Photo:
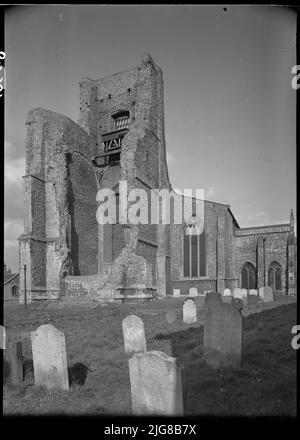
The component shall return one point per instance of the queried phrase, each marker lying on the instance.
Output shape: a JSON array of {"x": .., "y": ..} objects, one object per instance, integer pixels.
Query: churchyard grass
[{"x": 264, "y": 386}]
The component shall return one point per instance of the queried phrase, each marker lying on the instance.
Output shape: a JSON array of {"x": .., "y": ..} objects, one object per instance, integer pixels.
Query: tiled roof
[{"x": 9, "y": 277}]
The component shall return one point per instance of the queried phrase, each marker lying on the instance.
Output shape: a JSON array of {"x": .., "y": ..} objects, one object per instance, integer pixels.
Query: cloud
[
  {"x": 170, "y": 158},
  {"x": 259, "y": 218},
  {"x": 210, "y": 192},
  {"x": 14, "y": 169}
]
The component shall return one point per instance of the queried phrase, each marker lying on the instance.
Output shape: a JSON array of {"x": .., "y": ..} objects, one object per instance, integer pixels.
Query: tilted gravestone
[
  {"x": 227, "y": 292},
  {"x": 189, "y": 311},
  {"x": 193, "y": 292},
  {"x": 171, "y": 316},
  {"x": 266, "y": 294},
  {"x": 134, "y": 334},
  {"x": 156, "y": 384},
  {"x": 49, "y": 357},
  {"x": 222, "y": 344},
  {"x": 14, "y": 358},
  {"x": 176, "y": 293}
]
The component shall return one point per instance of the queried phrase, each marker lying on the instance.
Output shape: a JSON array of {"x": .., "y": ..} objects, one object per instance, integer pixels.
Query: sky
[{"x": 230, "y": 110}]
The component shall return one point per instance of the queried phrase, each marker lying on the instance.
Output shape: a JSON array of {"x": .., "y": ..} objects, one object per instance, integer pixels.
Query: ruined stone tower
[
  {"x": 119, "y": 137},
  {"x": 120, "y": 140}
]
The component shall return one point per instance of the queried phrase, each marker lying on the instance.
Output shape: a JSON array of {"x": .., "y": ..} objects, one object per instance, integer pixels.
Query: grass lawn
[{"x": 264, "y": 386}]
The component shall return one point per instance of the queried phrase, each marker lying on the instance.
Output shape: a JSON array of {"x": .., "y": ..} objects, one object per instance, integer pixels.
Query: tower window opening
[{"x": 122, "y": 120}]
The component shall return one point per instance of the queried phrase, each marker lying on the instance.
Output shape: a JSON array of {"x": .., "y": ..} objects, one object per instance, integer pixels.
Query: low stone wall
[
  {"x": 201, "y": 285},
  {"x": 82, "y": 286}
]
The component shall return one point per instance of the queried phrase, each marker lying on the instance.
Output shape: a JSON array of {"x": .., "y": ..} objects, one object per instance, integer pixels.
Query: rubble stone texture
[
  {"x": 49, "y": 357},
  {"x": 156, "y": 384},
  {"x": 69, "y": 255}
]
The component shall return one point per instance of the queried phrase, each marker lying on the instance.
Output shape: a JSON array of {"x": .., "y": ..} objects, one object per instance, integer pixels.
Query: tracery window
[
  {"x": 248, "y": 276},
  {"x": 274, "y": 276},
  {"x": 194, "y": 249}
]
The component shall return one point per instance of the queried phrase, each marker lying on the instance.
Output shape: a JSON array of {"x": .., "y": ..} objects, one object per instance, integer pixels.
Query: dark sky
[{"x": 229, "y": 105}]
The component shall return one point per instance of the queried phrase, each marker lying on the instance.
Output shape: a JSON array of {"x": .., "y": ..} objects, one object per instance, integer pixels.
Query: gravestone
[
  {"x": 49, "y": 357},
  {"x": 14, "y": 358},
  {"x": 134, "y": 334},
  {"x": 222, "y": 344},
  {"x": 189, "y": 311},
  {"x": 156, "y": 384},
  {"x": 176, "y": 293},
  {"x": 2, "y": 337},
  {"x": 171, "y": 316},
  {"x": 253, "y": 292},
  {"x": 244, "y": 293},
  {"x": 227, "y": 292},
  {"x": 193, "y": 292},
  {"x": 266, "y": 294},
  {"x": 237, "y": 293}
]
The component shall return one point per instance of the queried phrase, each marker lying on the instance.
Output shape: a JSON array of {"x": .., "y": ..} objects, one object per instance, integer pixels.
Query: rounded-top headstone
[
  {"x": 189, "y": 311},
  {"x": 227, "y": 292},
  {"x": 244, "y": 293},
  {"x": 134, "y": 334},
  {"x": 49, "y": 357},
  {"x": 253, "y": 292}
]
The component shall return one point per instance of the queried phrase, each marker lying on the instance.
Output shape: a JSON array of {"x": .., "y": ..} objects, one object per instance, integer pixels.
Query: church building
[{"x": 120, "y": 137}]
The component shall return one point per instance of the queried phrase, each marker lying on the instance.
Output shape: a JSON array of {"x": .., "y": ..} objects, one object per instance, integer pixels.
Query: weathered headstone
[
  {"x": 189, "y": 311},
  {"x": 176, "y": 292},
  {"x": 49, "y": 357},
  {"x": 14, "y": 357},
  {"x": 193, "y": 292},
  {"x": 244, "y": 293},
  {"x": 253, "y": 292},
  {"x": 156, "y": 384},
  {"x": 2, "y": 337},
  {"x": 227, "y": 292},
  {"x": 222, "y": 344},
  {"x": 266, "y": 294},
  {"x": 237, "y": 293},
  {"x": 171, "y": 316},
  {"x": 134, "y": 334}
]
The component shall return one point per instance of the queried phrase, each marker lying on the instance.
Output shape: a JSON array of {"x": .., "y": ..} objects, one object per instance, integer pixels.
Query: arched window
[
  {"x": 248, "y": 276},
  {"x": 194, "y": 254},
  {"x": 14, "y": 291},
  {"x": 274, "y": 276}
]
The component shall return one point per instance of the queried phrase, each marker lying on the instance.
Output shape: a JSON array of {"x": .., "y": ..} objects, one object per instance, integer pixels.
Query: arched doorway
[
  {"x": 275, "y": 276},
  {"x": 248, "y": 276}
]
